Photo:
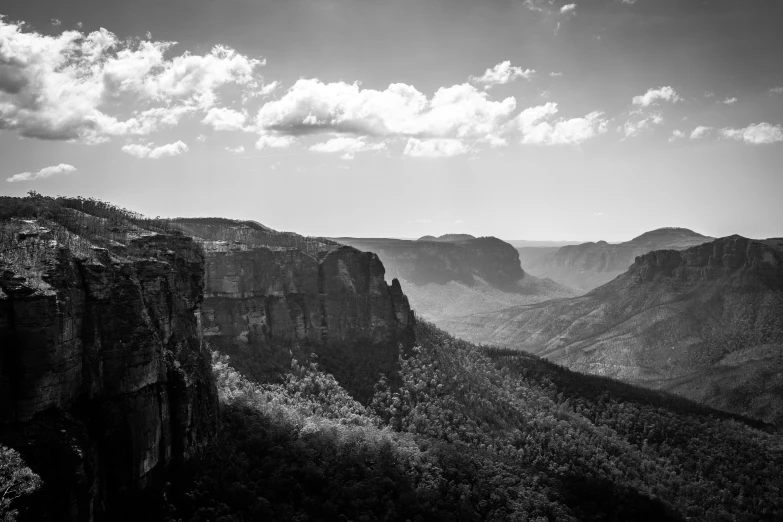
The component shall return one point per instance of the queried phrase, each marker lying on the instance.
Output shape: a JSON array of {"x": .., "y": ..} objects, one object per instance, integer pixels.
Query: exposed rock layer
[
  {"x": 104, "y": 379},
  {"x": 267, "y": 306}
]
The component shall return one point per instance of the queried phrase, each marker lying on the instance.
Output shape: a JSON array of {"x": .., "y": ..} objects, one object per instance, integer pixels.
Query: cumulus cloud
[
  {"x": 755, "y": 134},
  {"x": 236, "y": 150},
  {"x": 225, "y": 119},
  {"x": 62, "y": 168},
  {"x": 151, "y": 152},
  {"x": 434, "y": 148},
  {"x": 347, "y": 146},
  {"x": 274, "y": 141},
  {"x": 555, "y": 74},
  {"x": 539, "y": 128},
  {"x": 73, "y": 86},
  {"x": 635, "y": 127},
  {"x": 700, "y": 132},
  {"x": 568, "y": 8},
  {"x": 676, "y": 135},
  {"x": 502, "y": 74},
  {"x": 458, "y": 112},
  {"x": 729, "y": 101},
  {"x": 656, "y": 94}
]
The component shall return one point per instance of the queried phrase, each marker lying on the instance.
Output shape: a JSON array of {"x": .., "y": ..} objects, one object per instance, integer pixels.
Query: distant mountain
[
  {"x": 589, "y": 265},
  {"x": 521, "y": 243},
  {"x": 448, "y": 238},
  {"x": 453, "y": 278},
  {"x": 705, "y": 322}
]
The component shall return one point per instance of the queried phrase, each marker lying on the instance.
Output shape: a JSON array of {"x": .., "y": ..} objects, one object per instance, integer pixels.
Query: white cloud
[
  {"x": 700, "y": 132},
  {"x": 502, "y": 74},
  {"x": 633, "y": 128},
  {"x": 755, "y": 134},
  {"x": 55, "y": 22},
  {"x": 274, "y": 141},
  {"x": 457, "y": 112},
  {"x": 434, "y": 148},
  {"x": 62, "y": 168},
  {"x": 347, "y": 146},
  {"x": 555, "y": 74},
  {"x": 676, "y": 135},
  {"x": 201, "y": 138},
  {"x": 653, "y": 95},
  {"x": 151, "y": 152},
  {"x": 536, "y": 130},
  {"x": 75, "y": 85},
  {"x": 729, "y": 101},
  {"x": 568, "y": 8},
  {"x": 225, "y": 119},
  {"x": 776, "y": 90},
  {"x": 236, "y": 150},
  {"x": 269, "y": 88}
]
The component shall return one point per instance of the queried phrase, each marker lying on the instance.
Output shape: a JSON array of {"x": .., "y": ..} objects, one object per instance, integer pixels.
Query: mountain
[
  {"x": 465, "y": 275},
  {"x": 105, "y": 382},
  {"x": 589, "y": 265},
  {"x": 522, "y": 243},
  {"x": 448, "y": 238},
  {"x": 705, "y": 322},
  {"x": 271, "y": 296}
]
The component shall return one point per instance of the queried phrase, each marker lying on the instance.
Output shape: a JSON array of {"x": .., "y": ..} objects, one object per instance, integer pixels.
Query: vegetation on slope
[{"x": 475, "y": 434}]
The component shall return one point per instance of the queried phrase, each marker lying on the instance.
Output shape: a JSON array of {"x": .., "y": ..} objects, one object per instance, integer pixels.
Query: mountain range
[
  {"x": 705, "y": 322},
  {"x": 458, "y": 274},
  {"x": 589, "y": 265}
]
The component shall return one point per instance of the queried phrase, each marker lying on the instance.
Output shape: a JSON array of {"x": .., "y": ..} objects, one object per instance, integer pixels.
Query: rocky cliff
[
  {"x": 457, "y": 274},
  {"x": 266, "y": 306},
  {"x": 705, "y": 322},
  {"x": 105, "y": 382}
]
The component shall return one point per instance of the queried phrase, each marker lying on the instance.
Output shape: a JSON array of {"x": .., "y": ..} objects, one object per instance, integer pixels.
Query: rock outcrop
[
  {"x": 105, "y": 382},
  {"x": 266, "y": 306}
]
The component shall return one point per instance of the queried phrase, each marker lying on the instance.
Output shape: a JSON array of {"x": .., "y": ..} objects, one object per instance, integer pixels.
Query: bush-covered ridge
[{"x": 471, "y": 435}]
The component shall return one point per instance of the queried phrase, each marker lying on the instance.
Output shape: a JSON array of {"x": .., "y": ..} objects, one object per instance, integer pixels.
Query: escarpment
[
  {"x": 265, "y": 306},
  {"x": 105, "y": 382}
]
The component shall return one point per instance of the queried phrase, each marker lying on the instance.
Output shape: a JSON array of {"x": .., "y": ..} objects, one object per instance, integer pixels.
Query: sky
[{"x": 521, "y": 119}]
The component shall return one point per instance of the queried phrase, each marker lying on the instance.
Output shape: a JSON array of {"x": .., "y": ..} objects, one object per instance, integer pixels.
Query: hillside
[
  {"x": 462, "y": 275},
  {"x": 705, "y": 322},
  {"x": 476, "y": 435},
  {"x": 589, "y": 265}
]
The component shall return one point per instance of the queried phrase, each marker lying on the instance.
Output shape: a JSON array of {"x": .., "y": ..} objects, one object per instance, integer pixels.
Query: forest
[{"x": 474, "y": 434}]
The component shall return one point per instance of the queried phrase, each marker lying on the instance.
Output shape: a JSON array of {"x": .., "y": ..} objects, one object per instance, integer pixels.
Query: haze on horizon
[{"x": 521, "y": 119}]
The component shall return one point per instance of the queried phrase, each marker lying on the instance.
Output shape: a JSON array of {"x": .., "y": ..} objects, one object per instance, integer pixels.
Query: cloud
[
  {"x": 676, "y": 134},
  {"x": 536, "y": 130},
  {"x": 55, "y": 22},
  {"x": 236, "y": 150},
  {"x": 458, "y": 112},
  {"x": 755, "y": 134},
  {"x": 555, "y": 74},
  {"x": 151, "y": 152},
  {"x": 700, "y": 132},
  {"x": 74, "y": 86},
  {"x": 276, "y": 142},
  {"x": 653, "y": 95},
  {"x": 62, "y": 168},
  {"x": 776, "y": 90},
  {"x": 729, "y": 101},
  {"x": 347, "y": 146},
  {"x": 568, "y": 8},
  {"x": 631, "y": 129},
  {"x": 434, "y": 148},
  {"x": 225, "y": 119},
  {"x": 502, "y": 74}
]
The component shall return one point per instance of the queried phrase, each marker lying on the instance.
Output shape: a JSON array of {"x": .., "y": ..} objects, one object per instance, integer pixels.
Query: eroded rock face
[
  {"x": 269, "y": 306},
  {"x": 104, "y": 378}
]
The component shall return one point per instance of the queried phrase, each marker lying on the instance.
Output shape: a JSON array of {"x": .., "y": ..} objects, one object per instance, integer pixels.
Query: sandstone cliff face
[
  {"x": 104, "y": 379},
  {"x": 266, "y": 306}
]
